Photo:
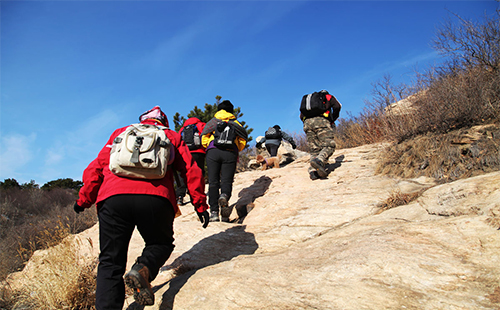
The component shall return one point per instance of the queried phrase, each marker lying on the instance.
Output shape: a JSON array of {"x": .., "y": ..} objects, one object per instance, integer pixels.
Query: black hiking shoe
[
  {"x": 225, "y": 210},
  {"x": 320, "y": 167},
  {"x": 214, "y": 216},
  {"x": 138, "y": 280},
  {"x": 180, "y": 201},
  {"x": 314, "y": 175}
]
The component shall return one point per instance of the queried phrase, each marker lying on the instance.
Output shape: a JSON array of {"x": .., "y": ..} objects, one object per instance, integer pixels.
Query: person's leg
[
  {"x": 180, "y": 191},
  {"x": 155, "y": 219},
  {"x": 326, "y": 138},
  {"x": 200, "y": 161},
  {"x": 314, "y": 144},
  {"x": 213, "y": 172},
  {"x": 272, "y": 149},
  {"x": 312, "y": 139},
  {"x": 228, "y": 169},
  {"x": 115, "y": 231}
]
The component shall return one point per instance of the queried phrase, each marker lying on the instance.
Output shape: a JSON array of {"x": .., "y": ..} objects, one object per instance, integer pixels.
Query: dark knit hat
[
  {"x": 277, "y": 127},
  {"x": 226, "y": 105}
]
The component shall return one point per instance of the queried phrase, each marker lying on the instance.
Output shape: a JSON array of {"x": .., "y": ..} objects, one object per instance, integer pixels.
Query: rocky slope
[{"x": 329, "y": 244}]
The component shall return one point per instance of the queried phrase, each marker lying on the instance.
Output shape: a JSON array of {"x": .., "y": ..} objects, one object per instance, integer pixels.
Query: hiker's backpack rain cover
[{"x": 142, "y": 151}]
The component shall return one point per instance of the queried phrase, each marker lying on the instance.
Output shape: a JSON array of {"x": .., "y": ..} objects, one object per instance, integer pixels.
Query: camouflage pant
[{"x": 320, "y": 138}]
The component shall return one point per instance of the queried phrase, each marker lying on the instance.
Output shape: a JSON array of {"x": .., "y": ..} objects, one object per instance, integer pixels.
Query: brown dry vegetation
[
  {"x": 33, "y": 219},
  {"x": 397, "y": 198},
  {"x": 60, "y": 278},
  {"x": 460, "y": 153},
  {"x": 448, "y": 128}
]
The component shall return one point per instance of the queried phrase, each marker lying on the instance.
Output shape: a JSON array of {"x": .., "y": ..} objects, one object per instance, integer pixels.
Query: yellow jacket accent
[{"x": 224, "y": 116}]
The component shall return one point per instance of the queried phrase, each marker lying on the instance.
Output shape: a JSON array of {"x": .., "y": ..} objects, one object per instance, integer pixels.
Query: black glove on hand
[
  {"x": 77, "y": 208},
  {"x": 204, "y": 218}
]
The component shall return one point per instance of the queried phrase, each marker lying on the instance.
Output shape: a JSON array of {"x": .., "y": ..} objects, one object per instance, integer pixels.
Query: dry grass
[
  {"x": 493, "y": 218},
  {"x": 461, "y": 93},
  {"x": 58, "y": 278},
  {"x": 436, "y": 135},
  {"x": 396, "y": 199},
  {"x": 35, "y": 219},
  {"x": 445, "y": 157}
]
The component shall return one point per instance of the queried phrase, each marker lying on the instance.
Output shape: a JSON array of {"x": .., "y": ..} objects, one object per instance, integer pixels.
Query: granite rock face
[
  {"x": 294, "y": 243},
  {"x": 325, "y": 244}
]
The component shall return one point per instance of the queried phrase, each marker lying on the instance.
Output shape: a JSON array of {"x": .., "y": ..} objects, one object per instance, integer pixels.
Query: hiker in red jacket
[
  {"x": 192, "y": 138},
  {"x": 124, "y": 203}
]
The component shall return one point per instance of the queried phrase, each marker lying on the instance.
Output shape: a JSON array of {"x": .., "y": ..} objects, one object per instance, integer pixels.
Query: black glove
[
  {"x": 77, "y": 208},
  {"x": 294, "y": 146},
  {"x": 204, "y": 218}
]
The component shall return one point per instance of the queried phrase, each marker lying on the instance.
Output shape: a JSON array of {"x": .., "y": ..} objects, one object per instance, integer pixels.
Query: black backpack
[
  {"x": 272, "y": 133},
  {"x": 224, "y": 135},
  {"x": 191, "y": 137},
  {"x": 313, "y": 104}
]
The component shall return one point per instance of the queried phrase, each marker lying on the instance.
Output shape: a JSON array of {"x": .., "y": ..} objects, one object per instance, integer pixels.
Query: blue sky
[{"x": 73, "y": 71}]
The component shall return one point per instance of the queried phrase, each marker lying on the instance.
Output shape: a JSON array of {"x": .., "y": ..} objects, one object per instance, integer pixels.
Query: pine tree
[{"x": 207, "y": 114}]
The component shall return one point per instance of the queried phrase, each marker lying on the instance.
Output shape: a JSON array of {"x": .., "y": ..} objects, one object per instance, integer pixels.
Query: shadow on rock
[
  {"x": 221, "y": 247},
  {"x": 338, "y": 162},
  {"x": 248, "y": 195},
  {"x": 286, "y": 161}
]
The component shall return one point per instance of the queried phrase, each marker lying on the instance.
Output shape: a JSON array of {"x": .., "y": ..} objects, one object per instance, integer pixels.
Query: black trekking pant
[
  {"x": 118, "y": 216},
  {"x": 272, "y": 149},
  {"x": 221, "y": 167}
]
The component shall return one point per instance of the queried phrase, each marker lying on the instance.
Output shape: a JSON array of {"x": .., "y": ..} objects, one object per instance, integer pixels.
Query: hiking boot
[
  {"x": 214, "y": 216},
  {"x": 320, "y": 167},
  {"x": 313, "y": 175},
  {"x": 180, "y": 201},
  {"x": 138, "y": 280},
  {"x": 225, "y": 210}
]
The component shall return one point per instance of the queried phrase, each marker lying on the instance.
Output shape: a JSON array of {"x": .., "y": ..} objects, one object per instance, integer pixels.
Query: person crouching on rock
[{"x": 272, "y": 140}]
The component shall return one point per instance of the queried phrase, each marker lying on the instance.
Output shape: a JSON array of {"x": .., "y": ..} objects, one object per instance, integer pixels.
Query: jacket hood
[
  {"x": 191, "y": 120},
  {"x": 224, "y": 115}
]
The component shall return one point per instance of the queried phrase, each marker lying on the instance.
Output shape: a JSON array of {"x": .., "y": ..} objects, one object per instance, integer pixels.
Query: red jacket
[
  {"x": 200, "y": 125},
  {"x": 100, "y": 183}
]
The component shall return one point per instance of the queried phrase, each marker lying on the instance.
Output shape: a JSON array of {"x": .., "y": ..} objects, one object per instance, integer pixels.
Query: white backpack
[{"x": 141, "y": 151}]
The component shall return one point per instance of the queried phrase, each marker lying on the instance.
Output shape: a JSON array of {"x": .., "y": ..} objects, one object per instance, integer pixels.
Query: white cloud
[
  {"x": 54, "y": 156},
  {"x": 16, "y": 152}
]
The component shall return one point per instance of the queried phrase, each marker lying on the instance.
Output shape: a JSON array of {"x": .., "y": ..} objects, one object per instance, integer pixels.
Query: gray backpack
[{"x": 272, "y": 133}]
